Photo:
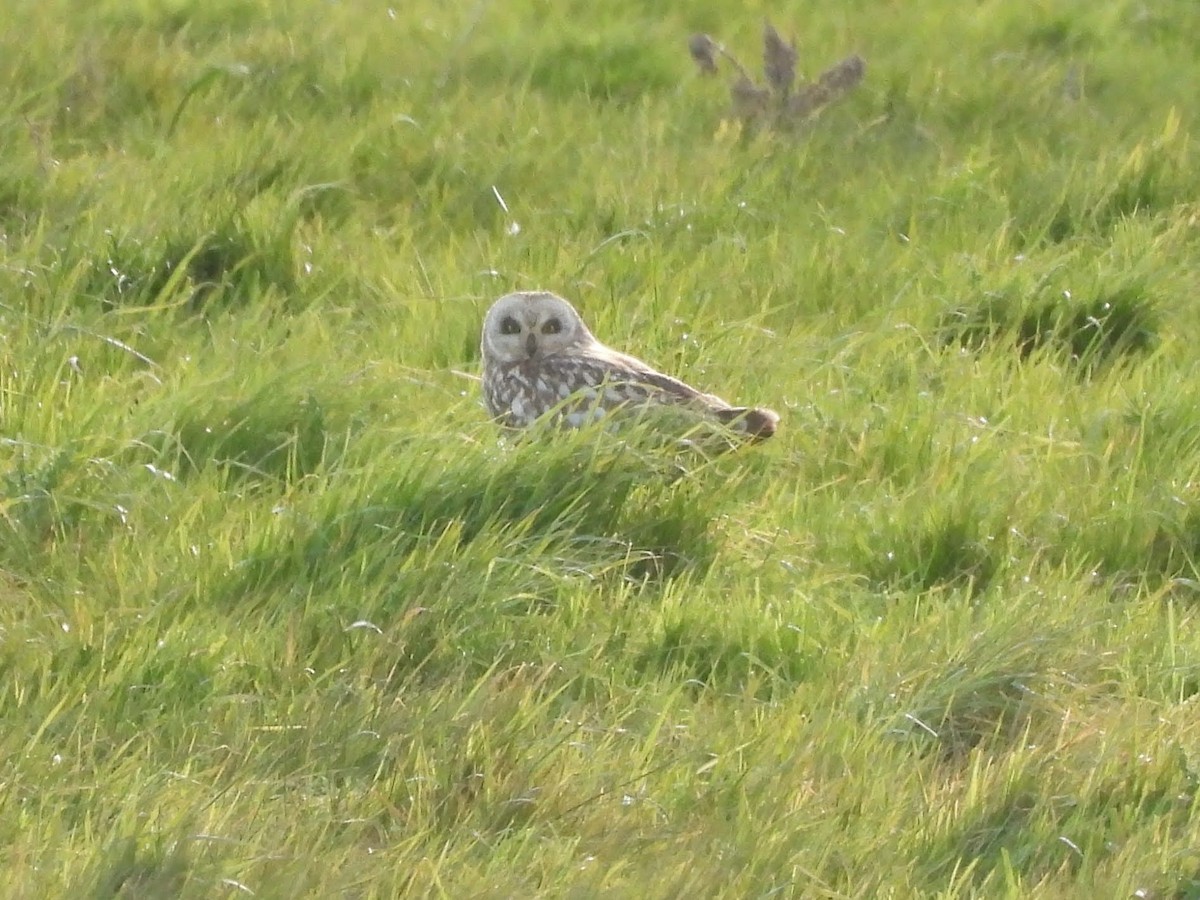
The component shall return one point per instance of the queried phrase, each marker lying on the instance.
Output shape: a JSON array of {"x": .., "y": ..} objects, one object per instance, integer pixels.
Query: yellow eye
[
  {"x": 552, "y": 326},
  {"x": 509, "y": 325}
]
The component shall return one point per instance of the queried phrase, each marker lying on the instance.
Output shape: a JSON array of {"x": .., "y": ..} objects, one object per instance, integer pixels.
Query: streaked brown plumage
[{"x": 539, "y": 356}]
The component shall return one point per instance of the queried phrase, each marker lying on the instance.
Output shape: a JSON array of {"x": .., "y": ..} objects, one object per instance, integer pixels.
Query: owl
[{"x": 539, "y": 357}]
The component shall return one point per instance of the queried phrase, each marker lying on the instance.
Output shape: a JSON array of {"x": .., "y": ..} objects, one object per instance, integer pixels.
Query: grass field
[{"x": 282, "y": 614}]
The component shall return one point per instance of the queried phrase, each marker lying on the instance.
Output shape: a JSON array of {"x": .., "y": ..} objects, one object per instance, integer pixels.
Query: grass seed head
[
  {"x": 779, "y": 60},
  {"x": 844, "y": 76},
  {"x": 749, "y": 100},
  {"x": 785, "y": 100},
  {"x": 704, "y": 51},
  {"x": 834, "y": 83}
]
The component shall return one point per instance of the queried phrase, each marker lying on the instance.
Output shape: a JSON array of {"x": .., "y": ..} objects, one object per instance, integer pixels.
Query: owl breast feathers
[{"x": 539, "y": 357}]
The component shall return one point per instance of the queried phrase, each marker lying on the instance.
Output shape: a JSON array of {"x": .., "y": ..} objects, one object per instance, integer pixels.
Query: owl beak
[{"x": 531, "y": 344}]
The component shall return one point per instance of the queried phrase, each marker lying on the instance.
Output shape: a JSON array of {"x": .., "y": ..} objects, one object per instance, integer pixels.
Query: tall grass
[{"x": 282, "y": 613}]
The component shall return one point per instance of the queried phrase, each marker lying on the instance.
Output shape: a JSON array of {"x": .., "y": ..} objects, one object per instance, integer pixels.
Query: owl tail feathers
[{"x": 757, "y": 424}]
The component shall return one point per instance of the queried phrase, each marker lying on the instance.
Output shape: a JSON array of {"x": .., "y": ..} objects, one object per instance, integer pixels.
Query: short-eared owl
[{"x": 538, "y": 356}]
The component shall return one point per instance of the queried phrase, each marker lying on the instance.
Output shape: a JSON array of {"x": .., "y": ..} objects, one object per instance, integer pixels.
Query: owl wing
[
  {"x": 625, "y": 379},
  {"x": 585, "y": 387}
]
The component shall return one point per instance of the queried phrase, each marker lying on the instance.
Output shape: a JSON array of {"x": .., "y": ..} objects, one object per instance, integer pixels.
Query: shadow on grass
[
  {"x": 1149, "y": 549},
  {"x": 280, "y": 432},
  {"x": 1090, "y": 332},
  {"x": 952, "y": 551},
  {"x": 609, "y": 495},
  {"x": 45, "y": 494},
  {"x": 990, "y": 693},
  {"x": 449, "y": 549},
  {"x": 138, "y": 867},
  {"x": 1024, "y": 828},
  {"x": 164, "y": 859},
  {"x": 1153, "y": 178},
  {"x": 231, "y": 262},
  {"x": 717, "y": 653}
]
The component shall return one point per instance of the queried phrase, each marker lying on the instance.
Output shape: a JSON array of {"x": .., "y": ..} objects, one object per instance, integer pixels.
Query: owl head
[{"x": 531, "y": 325}]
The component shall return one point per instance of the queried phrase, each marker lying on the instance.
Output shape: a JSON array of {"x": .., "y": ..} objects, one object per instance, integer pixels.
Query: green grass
[{"x": 281, "y": 611}]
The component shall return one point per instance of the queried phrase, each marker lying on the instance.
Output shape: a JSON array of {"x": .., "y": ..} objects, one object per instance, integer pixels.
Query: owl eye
[
  {"x": 509, "y": 325},
  {"x": 552, "y": 326}
]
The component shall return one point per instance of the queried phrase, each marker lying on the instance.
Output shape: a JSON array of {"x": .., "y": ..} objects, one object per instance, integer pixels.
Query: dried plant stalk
[
  {"x": 834, "y": 82},
  {"x": 845, "y": 75},
  {"x": 704, "y": 51},
  {"x": 749, "y": 100},
  {"x": 782, "y": 101},
  {"x": 779, "y": 60}
]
